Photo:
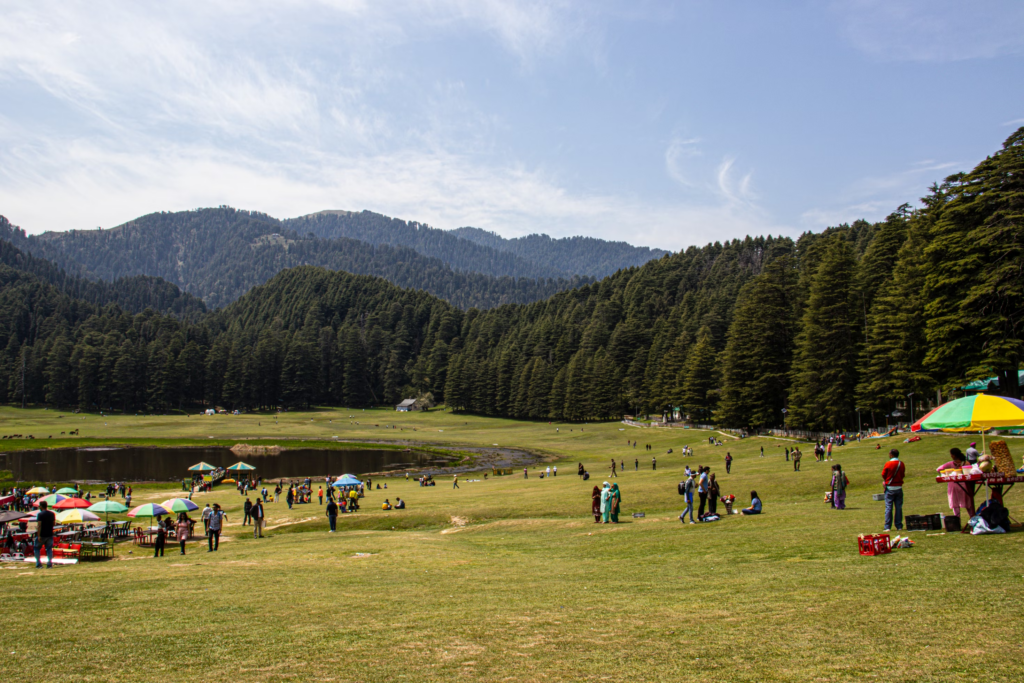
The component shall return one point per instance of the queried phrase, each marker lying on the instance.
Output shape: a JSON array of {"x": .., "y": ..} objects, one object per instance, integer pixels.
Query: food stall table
[{"x": 968, "y": 482}]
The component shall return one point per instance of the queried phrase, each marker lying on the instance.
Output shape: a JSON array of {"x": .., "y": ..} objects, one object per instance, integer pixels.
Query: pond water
[{"x": 170, "y": 464}]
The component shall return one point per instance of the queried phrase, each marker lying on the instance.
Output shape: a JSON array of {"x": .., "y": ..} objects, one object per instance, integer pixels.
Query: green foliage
[{"x": 824, "y": 370}]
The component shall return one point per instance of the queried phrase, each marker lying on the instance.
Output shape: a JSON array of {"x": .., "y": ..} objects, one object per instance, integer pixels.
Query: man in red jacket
[{"x": 892, "y": 476}]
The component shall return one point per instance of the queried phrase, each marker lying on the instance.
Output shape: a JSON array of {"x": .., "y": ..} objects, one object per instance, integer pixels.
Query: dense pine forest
[{"x": 747, "y": 333}]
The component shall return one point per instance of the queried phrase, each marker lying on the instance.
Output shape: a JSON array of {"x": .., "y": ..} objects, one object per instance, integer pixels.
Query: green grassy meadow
[{"x": 510, "y": 579}]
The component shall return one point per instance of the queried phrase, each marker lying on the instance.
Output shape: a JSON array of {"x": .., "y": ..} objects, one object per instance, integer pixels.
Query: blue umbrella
[{"x": 347, "y": 480}]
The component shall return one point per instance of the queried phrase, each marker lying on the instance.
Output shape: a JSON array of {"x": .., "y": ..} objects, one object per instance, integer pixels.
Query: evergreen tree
[
  {"x": 824, "y": 373},
  {"x": 756, "y": 361},
  {"x": 700, "y": 383}
]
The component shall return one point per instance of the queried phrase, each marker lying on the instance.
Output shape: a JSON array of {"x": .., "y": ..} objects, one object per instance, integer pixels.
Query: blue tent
[{"x": 347, "y": 480}]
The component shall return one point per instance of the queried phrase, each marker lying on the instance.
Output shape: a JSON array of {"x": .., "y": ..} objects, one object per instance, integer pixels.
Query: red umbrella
[{"x": 71, "y": 504}]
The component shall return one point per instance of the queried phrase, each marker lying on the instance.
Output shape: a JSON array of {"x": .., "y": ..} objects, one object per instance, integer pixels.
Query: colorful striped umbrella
[
  {"x": 202, "y": 467},
  {"x": 179, "y": 505},
  {"x": 37, "y": 490},
  {"x": 241, "y": 467},
  {"x": 76, "y": 516},
  {"x": 149, "y": 510},
  {"x": 976, "y": 413},
  {"x": 50, "y": 500},
  {"x": 71, "y": 504}
]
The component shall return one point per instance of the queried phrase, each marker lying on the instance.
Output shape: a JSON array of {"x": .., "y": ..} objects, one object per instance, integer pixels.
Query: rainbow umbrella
[
  {"x": 77, "y": 515},
  {"x": 50, "y": 500},
  {"x": 71, "y": 504},
  {"x": 149, "y": 510},
  {"x": 179, "y": 505},
  {"x": 978, "y": 413}
]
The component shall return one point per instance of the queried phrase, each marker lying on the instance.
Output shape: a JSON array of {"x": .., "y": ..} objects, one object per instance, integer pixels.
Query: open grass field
[{"x": 510, "y": 579}]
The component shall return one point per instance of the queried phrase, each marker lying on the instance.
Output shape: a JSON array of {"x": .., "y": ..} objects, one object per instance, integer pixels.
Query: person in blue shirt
[{"x": 755, "y": 505}]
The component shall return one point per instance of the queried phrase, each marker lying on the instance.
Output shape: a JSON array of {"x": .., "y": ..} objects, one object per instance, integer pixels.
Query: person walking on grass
[
  {"x": 728, "y": 462},
  {"x": 613, "y": 467},
  {"x": 654, "y": 462},
  {"x": 181, "y": 530},
  {"x": 455, "y": 482},
  {"x": 606, "y": 500},
  {"x": 636, "y": 463},
  {"x": 616, "y": 499},
  {"x": 247, "y": 508},
  {"x": 217, "y": 518},
  {"x": 332, "y": 515},
  {"x": 290, "y": 498},
  {"x": 320, "y": 494},
  {"x": 892, "y": 476},
  {"x": 258, "y": 519},
  {"x": 688, "y": 492},
  {"x": 45, "y": 521},
  {"x": 796, "y": 459},
  {"x": 161, "y": 540},
  {"x": 595, "y": 504}
]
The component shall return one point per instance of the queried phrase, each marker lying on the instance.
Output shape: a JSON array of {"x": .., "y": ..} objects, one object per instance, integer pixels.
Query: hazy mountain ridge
[
  {"x": 219, "y": 254},
  {"x": 585, "y": 255}
]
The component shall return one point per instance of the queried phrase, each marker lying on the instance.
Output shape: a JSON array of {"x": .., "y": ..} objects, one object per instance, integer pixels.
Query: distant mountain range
[{"x": 219, "y": 254}]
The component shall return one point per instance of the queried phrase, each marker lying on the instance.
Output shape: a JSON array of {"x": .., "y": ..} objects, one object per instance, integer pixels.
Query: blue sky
[{"x": 658, "y": 123}]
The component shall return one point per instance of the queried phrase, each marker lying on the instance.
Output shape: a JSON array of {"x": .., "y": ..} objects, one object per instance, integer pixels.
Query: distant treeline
[{"x": 858, "y": 316}]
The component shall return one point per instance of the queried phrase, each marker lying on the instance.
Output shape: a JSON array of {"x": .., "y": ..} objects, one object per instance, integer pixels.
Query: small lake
[{"x": 171, "y": 464}]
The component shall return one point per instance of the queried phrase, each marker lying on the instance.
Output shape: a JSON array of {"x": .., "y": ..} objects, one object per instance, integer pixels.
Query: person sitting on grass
[
  {"x": 386, "y": 505},
  {"x": 399, "y": 504},
  {"x": 755, "y": 505}
]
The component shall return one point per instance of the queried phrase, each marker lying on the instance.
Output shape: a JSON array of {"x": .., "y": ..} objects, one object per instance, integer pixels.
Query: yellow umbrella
[
  {"x": 77, "y": 515},
  {"x": 38, "y": 490}
]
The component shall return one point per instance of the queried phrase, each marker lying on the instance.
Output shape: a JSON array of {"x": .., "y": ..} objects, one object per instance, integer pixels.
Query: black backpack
[{"x": 682, "y": 488}]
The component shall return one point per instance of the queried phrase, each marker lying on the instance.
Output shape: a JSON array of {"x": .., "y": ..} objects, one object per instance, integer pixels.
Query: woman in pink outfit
[{"x": 958, "y": 496}]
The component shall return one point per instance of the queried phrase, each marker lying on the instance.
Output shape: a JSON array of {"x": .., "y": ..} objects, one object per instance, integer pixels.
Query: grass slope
[{"x": 511, "y": 579}]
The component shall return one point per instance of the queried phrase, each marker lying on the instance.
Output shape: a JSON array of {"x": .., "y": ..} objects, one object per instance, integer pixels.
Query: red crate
[{"x": 877, "y": 544}]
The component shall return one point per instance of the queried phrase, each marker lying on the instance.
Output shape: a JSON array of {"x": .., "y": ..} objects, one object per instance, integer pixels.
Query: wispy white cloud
[
  {"x": 1015, "y": 122},
  {"x": 933, "y": 30},
  {"x": 190, "y": 105},
  {"x": 875, "y": 197}
]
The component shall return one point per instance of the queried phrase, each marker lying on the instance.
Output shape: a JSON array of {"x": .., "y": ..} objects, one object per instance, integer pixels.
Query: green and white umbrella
[{"x": 241, "y": 467}]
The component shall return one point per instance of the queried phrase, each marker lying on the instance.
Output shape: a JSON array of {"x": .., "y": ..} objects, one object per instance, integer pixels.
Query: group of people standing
[
  {"x": 708, "y": 491},
  {"x": 605, "y": 503}
]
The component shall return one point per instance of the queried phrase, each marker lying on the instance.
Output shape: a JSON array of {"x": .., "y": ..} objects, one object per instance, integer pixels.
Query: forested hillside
[
  {"x": 462, "y": 254},
  {"x": 476, "y": 250},
  {"x": 134, "y": 294},
  {"x": 583, "y": 255},
  {"x": 219, "y": 254},
  {"x": 856, "y": 317}
]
